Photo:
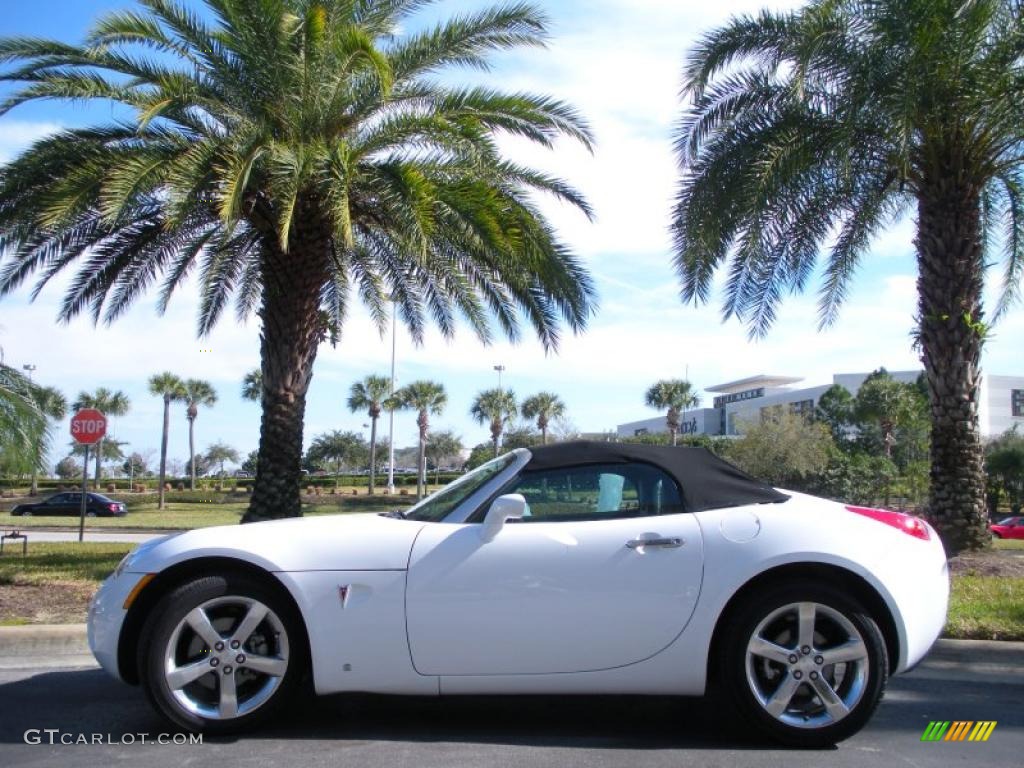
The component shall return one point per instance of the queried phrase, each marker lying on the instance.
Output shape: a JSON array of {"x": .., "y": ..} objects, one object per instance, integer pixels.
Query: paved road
[
  {"x": 610, "y": 732},
  {"x": 113, "y": 535}
]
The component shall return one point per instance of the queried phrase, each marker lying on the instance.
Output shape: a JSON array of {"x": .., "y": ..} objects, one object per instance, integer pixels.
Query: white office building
[{"x": 749, "y": 400}]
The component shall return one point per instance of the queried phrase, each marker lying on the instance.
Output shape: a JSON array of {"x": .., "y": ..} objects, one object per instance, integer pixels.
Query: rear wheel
[
  {"x": 805, "y": 663},
  {"x": 221, "y": 653},
  {"x": 26, "y": 513}
]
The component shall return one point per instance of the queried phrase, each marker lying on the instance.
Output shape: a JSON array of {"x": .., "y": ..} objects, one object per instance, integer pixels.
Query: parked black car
[{"x": 70, "y": 503}]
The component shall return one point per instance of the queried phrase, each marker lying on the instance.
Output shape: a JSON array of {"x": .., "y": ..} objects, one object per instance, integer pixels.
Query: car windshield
[
  {"x": 99, "y": 497},
  {"x": 1007, "y": 521},
  {"x": 437, "y": 507}
]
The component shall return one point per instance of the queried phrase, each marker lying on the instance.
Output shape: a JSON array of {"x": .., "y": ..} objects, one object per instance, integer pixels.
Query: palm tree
[
  {"x": 291, "y": 155},
  {"x": 109, "y": 404},
  {"x": 218, "y": 453},
  {"x": 337, "y": 448},
  {"x": 369, "y": 395},
  {"x": 52, "y": 404},
  {"x": 252, "y": 386},
  {"x": 494, "y": 407},
  {"x": 24, "y": 429},
  {"x": 544, "y": 406},
  {"x": 425, "y": 397},
  {"x": 443, "y": 445},
  {"x": 170, "y": 388},
  {"x": 818, "y": 129},
  {"x": 673, "y": 396},
  {"x": 195, "y": 392}
]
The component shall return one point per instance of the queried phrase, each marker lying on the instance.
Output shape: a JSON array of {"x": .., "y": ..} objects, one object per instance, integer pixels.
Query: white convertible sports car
[{"x": 578, "y": 568}]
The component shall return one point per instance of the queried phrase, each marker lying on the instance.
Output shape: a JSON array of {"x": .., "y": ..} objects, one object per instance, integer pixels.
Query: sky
[{"x": 620, "y": 64}]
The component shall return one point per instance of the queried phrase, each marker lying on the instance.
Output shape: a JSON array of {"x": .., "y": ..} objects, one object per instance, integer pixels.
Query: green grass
[
  {"x": 182, "y": 516},
  {"x": 1008, "y": 543},
  {"x": 986, "y": 608},
  {"x": 47, "y": 563}
]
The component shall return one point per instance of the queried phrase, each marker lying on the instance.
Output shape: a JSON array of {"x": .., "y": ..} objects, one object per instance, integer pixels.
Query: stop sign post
[{"x": 88, "y": 427}]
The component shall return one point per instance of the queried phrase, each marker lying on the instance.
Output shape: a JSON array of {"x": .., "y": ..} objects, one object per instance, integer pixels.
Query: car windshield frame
[{"x": 439, "y": 506}]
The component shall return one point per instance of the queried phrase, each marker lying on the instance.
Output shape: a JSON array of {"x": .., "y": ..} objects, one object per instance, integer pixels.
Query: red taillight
[
  {"x": 914, "y": 526},
  {"x": 113, "y": 507}
]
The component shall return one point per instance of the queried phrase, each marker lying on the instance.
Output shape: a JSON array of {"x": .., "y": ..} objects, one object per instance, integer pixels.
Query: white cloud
[{"x": 16, "y": 135}]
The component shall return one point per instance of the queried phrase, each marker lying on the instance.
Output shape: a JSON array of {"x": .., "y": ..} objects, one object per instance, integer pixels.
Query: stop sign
[{"x": 88, "y": 426}]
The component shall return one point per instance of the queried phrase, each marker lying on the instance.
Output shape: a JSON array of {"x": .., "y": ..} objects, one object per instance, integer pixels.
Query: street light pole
[
  {"x": 31, "y": 369},
  {"x": 391, "y": 411}
]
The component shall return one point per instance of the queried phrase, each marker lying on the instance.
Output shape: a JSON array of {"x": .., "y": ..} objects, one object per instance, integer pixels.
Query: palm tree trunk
[
  {"x": 99, "y": 459},
  {"x": 421, "y": 468},
  {"x": 292, "y": 331},
  {"x": 373, "y": 454},
  {"x": 495, "y": 435},
  {"x": 949, "y": 256},
  {"x": 192, "y": 453},
  {"x": 163, "y": 450},
  {"x": 542, "y": 424},
  {"x": 421, "y": 478}
]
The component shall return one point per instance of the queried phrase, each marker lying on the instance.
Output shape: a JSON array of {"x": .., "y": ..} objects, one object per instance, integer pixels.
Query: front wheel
[
  {"x": 805, "y": 663},
  {"x": 220, "y": 653}
]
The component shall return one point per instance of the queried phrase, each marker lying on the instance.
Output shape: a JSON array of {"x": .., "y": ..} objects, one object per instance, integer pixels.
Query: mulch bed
[
  {"x": 64, "y": 602},
  {"x": 1006, "y": 563}
]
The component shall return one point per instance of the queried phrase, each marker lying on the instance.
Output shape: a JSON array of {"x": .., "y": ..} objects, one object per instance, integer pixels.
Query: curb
[
  {"x": 991, "y": 651},
  {"x": 30, "y": 639}
]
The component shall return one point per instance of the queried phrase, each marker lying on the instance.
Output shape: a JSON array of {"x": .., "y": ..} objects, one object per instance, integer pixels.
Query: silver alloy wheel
[
  {"x": 226, "y": 657},
  {"x": 807, "y": 665}
]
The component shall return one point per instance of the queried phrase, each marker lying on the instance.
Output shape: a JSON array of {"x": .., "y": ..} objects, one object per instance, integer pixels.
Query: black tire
[
  {"x": 26, "y": 513},
  {"x": 996, "y": 535},
  {"x": 750, "y": 680},
  {"x": 90, "y": 513},
  {"x": 166, "y": 628}
]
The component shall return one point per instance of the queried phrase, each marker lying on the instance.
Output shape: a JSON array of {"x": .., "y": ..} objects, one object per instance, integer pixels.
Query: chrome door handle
[{"x": 670, "y": 543}]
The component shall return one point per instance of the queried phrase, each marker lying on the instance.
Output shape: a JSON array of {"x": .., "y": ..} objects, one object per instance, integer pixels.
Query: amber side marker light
[
  {"x": 137, "y": 589},
  {"x": 914, "y": 526}
]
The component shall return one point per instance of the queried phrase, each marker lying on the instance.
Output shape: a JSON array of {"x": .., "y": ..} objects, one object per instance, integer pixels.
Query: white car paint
[
  {"x": 550, "y": 591},
  {"x": 543, "y": 607}
]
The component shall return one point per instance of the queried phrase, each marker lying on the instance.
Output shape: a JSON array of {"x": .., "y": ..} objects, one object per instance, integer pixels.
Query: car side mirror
[{"x": 511, "y": 506}]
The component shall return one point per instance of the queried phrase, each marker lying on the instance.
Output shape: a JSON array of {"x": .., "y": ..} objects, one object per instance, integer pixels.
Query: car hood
[{"x": 360, "y": 542}]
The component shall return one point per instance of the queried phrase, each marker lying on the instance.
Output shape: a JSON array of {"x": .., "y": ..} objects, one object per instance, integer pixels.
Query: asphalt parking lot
[{"x": 357, "y": 731}]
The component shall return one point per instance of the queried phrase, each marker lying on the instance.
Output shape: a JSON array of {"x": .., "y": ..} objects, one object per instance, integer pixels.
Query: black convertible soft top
[{"x": 706, "y": 481}]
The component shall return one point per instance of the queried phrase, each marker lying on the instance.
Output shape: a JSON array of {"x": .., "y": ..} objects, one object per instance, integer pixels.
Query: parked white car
[{"x": 586, "y": 568}]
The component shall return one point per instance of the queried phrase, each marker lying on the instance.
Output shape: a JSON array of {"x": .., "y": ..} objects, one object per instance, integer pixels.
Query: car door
[
  {"x": 604, "y": 571},
  {"x": 1016, "y": 529},
  {"x": 55, "y": 505}
]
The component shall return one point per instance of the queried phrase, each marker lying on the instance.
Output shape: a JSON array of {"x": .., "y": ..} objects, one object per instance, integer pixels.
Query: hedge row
[{"x": 47, "y": 485}]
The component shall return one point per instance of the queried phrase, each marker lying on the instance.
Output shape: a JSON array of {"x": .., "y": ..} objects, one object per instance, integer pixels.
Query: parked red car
[{"x": 1009, "y": 528}]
